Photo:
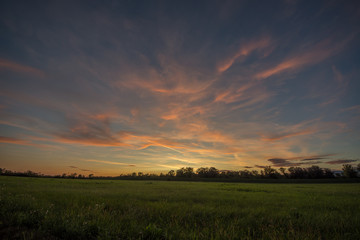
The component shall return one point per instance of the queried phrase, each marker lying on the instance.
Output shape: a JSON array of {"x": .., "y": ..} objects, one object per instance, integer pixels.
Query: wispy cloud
[
  {"x": 109, "y": 162},
  {"x": 84, "y": 170},
  {"x": 280, "y": 137},
  {"x": 300, "y": 160},
  {"x": 12, "y": 140},
  {"x": 90, "y": 132},
  {"x": 313, "y": 55},
  {"x": 16, "y": 67},
  {"x": 244, "y": 50},
  {"x": 342, "y": 161}
]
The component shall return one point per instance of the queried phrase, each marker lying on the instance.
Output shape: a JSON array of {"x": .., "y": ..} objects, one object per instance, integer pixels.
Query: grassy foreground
[{"x": 35, "y": 208}]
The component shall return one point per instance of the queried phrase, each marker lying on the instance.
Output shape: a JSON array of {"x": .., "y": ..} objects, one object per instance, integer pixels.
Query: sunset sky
[{"x": 111, "y": 87}]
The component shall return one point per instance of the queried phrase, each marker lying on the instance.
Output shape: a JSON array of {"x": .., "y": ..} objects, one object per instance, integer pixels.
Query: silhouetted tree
[
  {"x": 269, "y": 172},
  {"x": 315, "y": 172},
  {"x": 297, "y": 172},
  {"x": 245, "y": 174},
  {"x": 328, "y": 173},
  {"x": 349, "y": 171},
  {"x": 185, "y": 172},
  {"x": 283, "y": 171},
  {"x": 72, "y": 175},
  {"x": 255, "y": 173},
  {"x": 202, "y": 172},
  {"x": 171, "y": 173},
  {"x": 213, "y": 172}
]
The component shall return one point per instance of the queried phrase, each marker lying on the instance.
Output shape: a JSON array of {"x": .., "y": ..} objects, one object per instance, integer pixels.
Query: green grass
[{"x": 38, "y": 208}]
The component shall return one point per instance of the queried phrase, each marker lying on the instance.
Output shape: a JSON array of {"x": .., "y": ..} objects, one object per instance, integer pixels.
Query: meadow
[{"x": 41, "y": 208}]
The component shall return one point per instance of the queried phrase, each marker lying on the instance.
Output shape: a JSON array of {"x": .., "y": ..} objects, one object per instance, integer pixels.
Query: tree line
[{"x": 268, "y": 172}]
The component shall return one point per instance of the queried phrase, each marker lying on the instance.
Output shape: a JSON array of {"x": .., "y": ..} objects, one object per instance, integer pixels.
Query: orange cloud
[
  {"x": 233, "y": 95},
  {"x": 170, "y": 117},
  {"x": 287, "y": 64},
  {"x": 17, "y": 141},
  {"x": 244, "y": 50},
  {"x": 317, "y": 54},
  {"x": 280, "y": 137},
  {"x": 180, "y": 111},
  {"x": 13, "y": 141},
  {"x": 90, "y": 130},
  {"x": 91, "y": 142},
  {"x": 249, "y": 94},
  {"x": 336, "y": 90},
  {"x": 173, "y": 145},
  {"x": 109, "y": 162},
  {"x": 16, "y": 67}
]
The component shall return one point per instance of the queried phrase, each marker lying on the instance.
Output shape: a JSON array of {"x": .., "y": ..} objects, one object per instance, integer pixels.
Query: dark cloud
[
  {"x": 260, "y": 166},
  {"x": 318, "y": 157},
  {"x": 247, "y": 167},
  {"x": 13, "y": 140},
  {"x": 342, "y": 161},
  {"x": 277, "y": 160},
  {"x": 89, "y": 132},
  {"x": 310, "y": 162},
  {"x": 310, "y": 159},
  {"x": 298, "y": 161},
  {"x": 281, "y": 162}
]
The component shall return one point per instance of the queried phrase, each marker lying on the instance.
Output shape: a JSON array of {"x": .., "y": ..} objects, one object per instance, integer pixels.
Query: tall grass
[{"x": 33, "y": 208}]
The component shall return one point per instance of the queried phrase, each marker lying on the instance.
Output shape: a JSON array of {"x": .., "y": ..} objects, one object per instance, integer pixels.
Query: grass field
[{"x": 38, "y": 208}]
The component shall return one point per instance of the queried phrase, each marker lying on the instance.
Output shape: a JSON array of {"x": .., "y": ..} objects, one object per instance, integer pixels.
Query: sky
[{"x": 113, "y": 87}]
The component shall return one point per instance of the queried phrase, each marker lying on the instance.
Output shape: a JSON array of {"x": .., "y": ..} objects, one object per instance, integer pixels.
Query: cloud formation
[
  {"x": 219, "y": 88},
  {"x": 13, "y": 140},
  {"x": 342, "y": 161},
  {"x": 16, "y": 67}
]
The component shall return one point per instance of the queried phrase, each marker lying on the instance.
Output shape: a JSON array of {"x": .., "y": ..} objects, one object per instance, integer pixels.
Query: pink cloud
[
  {"x": 16, "y": 67},
  {"x": 14, "y": 141},
  {"x": 243, "y": 51},
  {"x": 296, "y": 61},
  {"x": 288, "y": 135}
]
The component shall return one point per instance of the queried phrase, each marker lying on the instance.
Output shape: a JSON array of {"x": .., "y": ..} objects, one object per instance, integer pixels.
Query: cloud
[
  {"x": 336, "y": 89},
  {"x": 109, "y": 162},
  {"x": 17, "y": 141},
  {"x": 16, "y": 67},
  {"x": 312, "y": 55},
  {"x": 355, "y": 108},
  {"x": 93, "y": 132},
  {"x": 244, "y": 50},
  {"x": 301, "y": 160},
  {"x": 280, "y": 137},
  {"x": 14, "y": 141},
  {"x": 318, "y": 157},
  {"x": 280, "y": 162},
  {"x": 313, "y": 158},
  {"x": 260, "y": 166},
  {"x": 342, "y": 161}
]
